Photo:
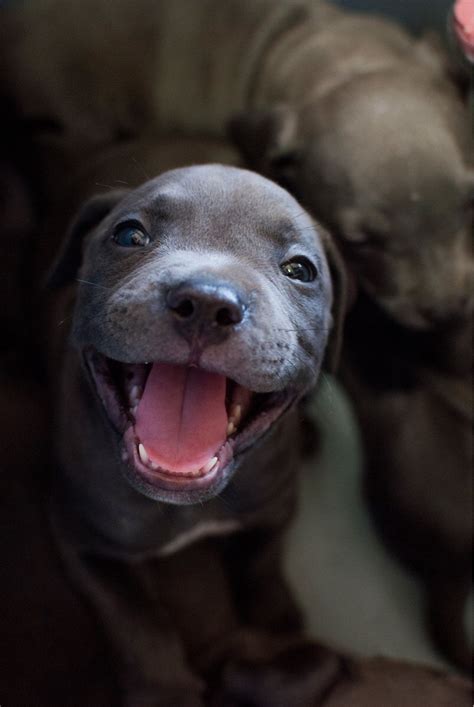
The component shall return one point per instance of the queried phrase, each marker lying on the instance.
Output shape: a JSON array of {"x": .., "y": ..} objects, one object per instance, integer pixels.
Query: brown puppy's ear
[
  {"x": 339, "y": 281},
  {"x": 68, "y": 260},
  {"x": 267, "y": 139},
  {"x": 431, "y": 51}
]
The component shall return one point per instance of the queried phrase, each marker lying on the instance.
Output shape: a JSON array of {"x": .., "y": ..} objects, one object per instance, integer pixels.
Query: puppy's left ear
[
  {"x": 340, "y": 305},
  {"x": 68, "y": 260},
  {"x": 267, "y": 140}
]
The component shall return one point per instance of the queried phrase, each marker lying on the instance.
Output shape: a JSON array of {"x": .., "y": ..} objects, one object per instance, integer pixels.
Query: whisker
[
  {"x": 140, "y": 167},
  {"x": 225, "y": 501},
  {"x": 64, "y": 320},
  {"x": 303, "y": 329},
  {"x": 93, "y": 284}
]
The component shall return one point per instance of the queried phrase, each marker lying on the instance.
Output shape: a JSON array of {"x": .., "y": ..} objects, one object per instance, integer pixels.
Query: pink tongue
[{"x": 181, "y": 419}]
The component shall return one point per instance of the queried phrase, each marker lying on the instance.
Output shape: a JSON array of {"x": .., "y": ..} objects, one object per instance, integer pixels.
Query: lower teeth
[{"x": 145, "y": 459}]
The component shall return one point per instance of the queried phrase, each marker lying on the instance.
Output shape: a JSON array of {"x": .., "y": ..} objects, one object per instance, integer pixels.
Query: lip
[{"x": 260, "y": 411}]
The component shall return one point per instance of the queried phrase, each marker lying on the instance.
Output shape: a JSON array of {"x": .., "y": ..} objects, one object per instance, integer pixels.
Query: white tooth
[
  {"x": 142, "y": 453},
  {"x": 124, "y": 455},
  {"x": 210, "y": 465},
  {"x": 133, "y": 410},
  {"x": 230, "y": 428},
  {"x": 235, "y": 414},
  {"x": 153, "y": 465},
  {"x": 135, "y": 394}
]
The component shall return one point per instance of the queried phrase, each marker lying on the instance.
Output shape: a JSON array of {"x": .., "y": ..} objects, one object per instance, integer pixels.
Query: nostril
[
  {"x": 226, "y": 316},
  {"x": 202, "y": 304},
  {"x": 184, "y": 309}
]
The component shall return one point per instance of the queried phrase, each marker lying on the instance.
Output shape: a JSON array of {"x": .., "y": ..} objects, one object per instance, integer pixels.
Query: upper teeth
[
  {"x": 235, "y": 414},
  {"x": 142, "y": 453},
  {"x": 234, "y": 419},
  {"x": 135, "y": 395}
]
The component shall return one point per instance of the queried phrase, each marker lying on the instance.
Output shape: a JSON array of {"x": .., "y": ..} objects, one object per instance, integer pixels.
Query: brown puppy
[
  {"x": 412, "y": 392},
  {"x": 356, "y": 117},
  {"x": 382, "y": 153}
]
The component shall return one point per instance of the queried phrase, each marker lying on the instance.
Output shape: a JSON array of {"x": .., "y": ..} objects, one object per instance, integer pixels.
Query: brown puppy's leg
[
  {"x": 273, "y": 662},
  {"x": 261, "y": 591},
  {"x": 302, "y": 675},
  {"x": 150, "y": 661}
]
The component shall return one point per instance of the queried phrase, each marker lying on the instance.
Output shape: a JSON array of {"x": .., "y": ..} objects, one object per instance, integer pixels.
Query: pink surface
[{"x": 181, "y": 419}]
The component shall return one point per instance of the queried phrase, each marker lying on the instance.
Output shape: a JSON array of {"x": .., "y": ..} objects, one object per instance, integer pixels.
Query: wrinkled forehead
[{"x": 221, "y": 206}]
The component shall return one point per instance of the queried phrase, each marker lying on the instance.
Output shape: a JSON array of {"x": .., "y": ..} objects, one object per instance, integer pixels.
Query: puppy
[
  {"x": 201, "y": 317},
  {"x": 316, "y": 86},
  {"x": 317, "y": 98},
  {"x": 382, "y": 152},
  {"x": 412, "y": 392}
]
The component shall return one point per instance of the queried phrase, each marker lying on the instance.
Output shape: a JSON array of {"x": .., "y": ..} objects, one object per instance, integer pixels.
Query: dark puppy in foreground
[{"x": 200, "y": 320}]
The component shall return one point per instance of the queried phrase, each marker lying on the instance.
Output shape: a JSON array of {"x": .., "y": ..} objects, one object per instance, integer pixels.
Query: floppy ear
[
  {"x": 431, "y": 51},
  {"x": 267, "y": 139},
  {"x": 68, "y": 260},
  {"x": 339, "y": 281}
]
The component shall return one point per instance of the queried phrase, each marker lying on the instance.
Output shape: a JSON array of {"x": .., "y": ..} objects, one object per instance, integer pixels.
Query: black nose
[{"x": 202, "y": 306}]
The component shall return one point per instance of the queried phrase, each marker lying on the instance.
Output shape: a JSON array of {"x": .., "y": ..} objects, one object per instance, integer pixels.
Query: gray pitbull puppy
[{"x": 200, "y": 320}]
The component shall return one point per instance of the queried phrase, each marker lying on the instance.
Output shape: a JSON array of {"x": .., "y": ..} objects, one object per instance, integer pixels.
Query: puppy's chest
[
  {"x": 261, "y": 497},
  {"x": 201, "y": 530},
  {"x": 261, "y": 504}
]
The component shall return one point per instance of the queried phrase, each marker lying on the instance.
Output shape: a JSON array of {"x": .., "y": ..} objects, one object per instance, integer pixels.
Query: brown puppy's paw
[{"x": 299, "y": 676}]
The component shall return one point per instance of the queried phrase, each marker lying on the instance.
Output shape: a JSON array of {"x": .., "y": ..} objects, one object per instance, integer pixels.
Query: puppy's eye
[
  {"x": 300, "y": 269},
  {"x": 130, "y": 235}
]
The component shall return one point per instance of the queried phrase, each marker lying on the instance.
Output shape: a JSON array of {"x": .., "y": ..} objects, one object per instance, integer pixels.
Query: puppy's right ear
[
  {"x": 340, "y": 304},
  {"x": 68, "y": 260}
]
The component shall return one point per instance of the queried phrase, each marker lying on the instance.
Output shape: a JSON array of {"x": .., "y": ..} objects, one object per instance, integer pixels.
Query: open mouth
[{"x": 181, "y": 426}]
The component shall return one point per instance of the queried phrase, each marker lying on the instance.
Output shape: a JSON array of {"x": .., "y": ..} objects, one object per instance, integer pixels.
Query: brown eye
[
  {"x": 130, "y": 235},
  {"x": 299, "y": 269}
]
